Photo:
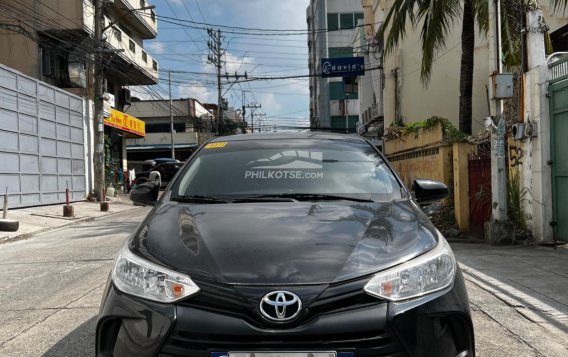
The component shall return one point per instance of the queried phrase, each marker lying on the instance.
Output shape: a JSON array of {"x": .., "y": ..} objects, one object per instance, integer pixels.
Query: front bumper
[{"x": 435, "y": 325}]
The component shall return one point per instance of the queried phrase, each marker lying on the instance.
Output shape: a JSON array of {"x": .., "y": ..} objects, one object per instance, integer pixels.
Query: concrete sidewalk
[
  {"x": 532, "y": 280},
  {"x": 34, "y": 220}
]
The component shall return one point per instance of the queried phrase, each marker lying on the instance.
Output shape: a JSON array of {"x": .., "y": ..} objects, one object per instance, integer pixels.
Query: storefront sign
[
  {"x": 125, "y": 122},
  {"x": 342, "y": 67}
]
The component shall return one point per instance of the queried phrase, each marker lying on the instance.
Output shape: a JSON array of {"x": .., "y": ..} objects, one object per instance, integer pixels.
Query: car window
[{"x": 308, "y": 166}]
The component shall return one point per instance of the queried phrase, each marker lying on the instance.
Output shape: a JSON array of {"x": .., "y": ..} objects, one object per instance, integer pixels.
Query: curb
[
  {"x": 530, "y": 308},
  {"x": 70, "y": 223}
]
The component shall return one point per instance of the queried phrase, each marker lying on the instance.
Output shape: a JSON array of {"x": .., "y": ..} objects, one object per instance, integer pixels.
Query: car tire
[{"x": 9, "y": 225}]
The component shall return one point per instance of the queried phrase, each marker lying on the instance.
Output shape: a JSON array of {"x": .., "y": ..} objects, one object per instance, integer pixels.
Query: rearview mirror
[
  {"x": 145, "y": 193},
  {"x": 427, "y": 191}
]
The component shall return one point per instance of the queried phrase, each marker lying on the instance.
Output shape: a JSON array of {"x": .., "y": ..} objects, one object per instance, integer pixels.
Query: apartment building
[
  {"x": 53, "y": 41},
  {"x": 334, "y": 102}
]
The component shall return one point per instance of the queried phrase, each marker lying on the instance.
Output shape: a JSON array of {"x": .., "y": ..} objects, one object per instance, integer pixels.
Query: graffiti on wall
[{"x": 515, "y": 156}]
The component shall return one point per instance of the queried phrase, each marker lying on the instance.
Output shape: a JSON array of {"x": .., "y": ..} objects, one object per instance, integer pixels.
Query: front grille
[
  {"x": 243, "y": 302},
  {"x": 376, "y": 343},
  {"x": 220, "y": 298},
  {"x": 341, "y": 296}
]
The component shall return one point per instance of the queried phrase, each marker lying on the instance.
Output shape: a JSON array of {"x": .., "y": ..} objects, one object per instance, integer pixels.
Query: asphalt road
[{"x": 52, "y": 285}]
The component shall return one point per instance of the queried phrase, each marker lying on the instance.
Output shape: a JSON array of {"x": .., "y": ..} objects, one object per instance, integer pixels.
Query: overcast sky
[{"x": 181, "y": 46}]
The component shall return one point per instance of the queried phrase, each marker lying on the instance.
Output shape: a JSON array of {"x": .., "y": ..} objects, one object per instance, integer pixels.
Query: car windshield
[{"x": 264, "y": 168}]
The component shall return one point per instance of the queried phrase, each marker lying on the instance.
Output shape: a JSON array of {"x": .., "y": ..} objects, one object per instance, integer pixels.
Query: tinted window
[
  {"x": 289, "y": 166},
  {"x": 346, "y": 21},
  {"x": 332, "y": 22},
  {"x": 358, "y": 16}
]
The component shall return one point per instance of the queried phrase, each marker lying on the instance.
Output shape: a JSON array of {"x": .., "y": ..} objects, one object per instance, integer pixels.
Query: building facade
[
  {"x": 334, "y": 102},
  {"x": 371, "y": 119},
  {"x": 53, "y": 41},
  {"x": 407, "y": 99},
  {"x": 193, "y": 124}
]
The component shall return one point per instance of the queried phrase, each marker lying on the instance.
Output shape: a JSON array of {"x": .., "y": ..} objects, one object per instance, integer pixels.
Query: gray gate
[
  {"x": 558, "y": 90},
  {"x": 41, "y": 141}
]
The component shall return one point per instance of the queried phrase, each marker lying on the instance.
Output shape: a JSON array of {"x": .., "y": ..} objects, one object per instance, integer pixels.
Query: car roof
[{"x": 289, "y": 135}]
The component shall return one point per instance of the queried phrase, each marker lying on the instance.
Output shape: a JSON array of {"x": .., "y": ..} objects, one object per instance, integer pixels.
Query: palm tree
[
  {"x": 558, "y": 4},
  {"x": 437, "y": 18}
]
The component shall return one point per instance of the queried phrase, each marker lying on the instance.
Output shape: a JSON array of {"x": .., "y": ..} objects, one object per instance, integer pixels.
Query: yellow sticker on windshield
[{"x": 216, "y": 145}]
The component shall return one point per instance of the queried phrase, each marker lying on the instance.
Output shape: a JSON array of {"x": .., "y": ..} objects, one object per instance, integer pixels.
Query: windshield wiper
[
  {"x": 263, "y": 198},
  {"x": 199, "y": 199},
  {"x": 315, "y": 197}
]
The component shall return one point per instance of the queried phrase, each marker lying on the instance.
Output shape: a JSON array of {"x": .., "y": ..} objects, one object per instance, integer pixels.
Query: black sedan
[{"x": 289, "y": 245}]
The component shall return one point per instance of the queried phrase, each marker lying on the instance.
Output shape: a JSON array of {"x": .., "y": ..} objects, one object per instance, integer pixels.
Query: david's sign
[{"x": 343, "y": 67}]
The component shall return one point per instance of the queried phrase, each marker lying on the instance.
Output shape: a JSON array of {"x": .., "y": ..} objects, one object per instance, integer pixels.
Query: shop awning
[
  {"x": 133, "y": 127},
  {"x": 158, "y": 147}
]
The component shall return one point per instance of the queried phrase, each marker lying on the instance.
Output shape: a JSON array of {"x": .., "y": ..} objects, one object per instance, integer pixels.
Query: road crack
[
  {"x": 515, "y": 335},
  {"x": 55, "y": 311}
]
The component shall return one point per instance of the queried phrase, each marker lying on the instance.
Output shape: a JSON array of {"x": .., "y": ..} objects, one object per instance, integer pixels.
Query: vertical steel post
[{"x": 5, "y": 210}]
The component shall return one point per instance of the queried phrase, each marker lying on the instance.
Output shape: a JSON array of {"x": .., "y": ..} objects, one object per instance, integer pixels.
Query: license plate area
[{"x": 274, "y": 354}]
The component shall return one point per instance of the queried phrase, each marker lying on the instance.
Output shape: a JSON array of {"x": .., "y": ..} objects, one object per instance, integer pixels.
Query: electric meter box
[{"x": 502, "y": 85}]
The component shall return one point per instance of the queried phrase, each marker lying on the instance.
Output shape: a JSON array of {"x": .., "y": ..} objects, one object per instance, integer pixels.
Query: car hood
[{"x": 283, "y": 243}]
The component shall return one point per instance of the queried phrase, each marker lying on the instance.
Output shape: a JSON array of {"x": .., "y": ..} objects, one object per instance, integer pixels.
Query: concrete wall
[
  {"x": 554, "y": 19},
  {"x": 528, "y": 157},
  {"x": 423, "y": 155},
  {"x": 426, "y": 155}
]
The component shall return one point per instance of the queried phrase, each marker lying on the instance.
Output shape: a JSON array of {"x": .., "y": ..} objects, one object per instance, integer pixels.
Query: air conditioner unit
[
  {"x": 126, "y": 99},
  {"x": 531, "y": 129},
  {"x": 77, "y": 75},
  {"x": 518, "y": 131}
]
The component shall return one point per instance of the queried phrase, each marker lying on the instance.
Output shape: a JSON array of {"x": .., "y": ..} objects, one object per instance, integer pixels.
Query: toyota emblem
[{"x": 280, "y": 306}]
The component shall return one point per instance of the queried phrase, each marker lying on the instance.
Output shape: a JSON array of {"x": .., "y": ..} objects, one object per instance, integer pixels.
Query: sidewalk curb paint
[
  {"x": 526, "y": 305},
  {"x": 4, "y": 240}
]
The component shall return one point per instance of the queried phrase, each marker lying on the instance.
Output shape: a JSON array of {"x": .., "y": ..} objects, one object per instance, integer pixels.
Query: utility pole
[
  {"x": 215, "y": 57},
  {"x": 244, "y": 111},
  {"x": 260, "y": 121},
  {"x": 500, "y": 229},
  {"x": 252, "y": 107},
  {"x": 99, "y": 156},
  {"x": 171, "y": 115}
]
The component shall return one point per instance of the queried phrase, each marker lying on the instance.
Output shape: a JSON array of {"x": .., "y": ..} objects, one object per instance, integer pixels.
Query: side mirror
[
  {"x": 427, "y": 191},
  {"x": 145, "y": 193}
]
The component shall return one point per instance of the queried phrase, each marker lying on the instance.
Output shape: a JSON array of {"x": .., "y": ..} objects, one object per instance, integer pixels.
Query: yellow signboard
[
  {"x": 127, "y": 123},
  {"x": 216, "y": 145}
]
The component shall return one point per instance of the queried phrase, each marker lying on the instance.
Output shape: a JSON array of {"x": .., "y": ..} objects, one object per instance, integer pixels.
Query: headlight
[
  {"x": 139, "y": 277},
  {"x": 432, "y": 271}
]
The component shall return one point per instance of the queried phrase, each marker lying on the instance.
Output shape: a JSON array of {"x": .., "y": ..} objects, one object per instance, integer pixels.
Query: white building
[{"x": 334, "y": 102}]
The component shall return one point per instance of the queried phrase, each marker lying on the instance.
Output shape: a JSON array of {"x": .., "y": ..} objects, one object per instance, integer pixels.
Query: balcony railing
[
  {"x": 144, "y": 21},
  {"x": 133, "y": 52}
]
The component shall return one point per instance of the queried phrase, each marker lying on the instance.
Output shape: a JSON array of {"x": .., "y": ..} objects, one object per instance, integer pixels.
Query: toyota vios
[{"x": 289, "y": 245}]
